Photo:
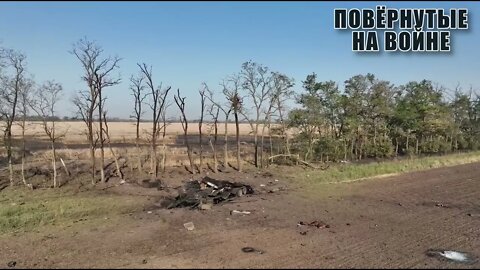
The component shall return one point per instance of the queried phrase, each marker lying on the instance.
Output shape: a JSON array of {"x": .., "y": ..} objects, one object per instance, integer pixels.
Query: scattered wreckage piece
[
  {"x": 189, "y": 226},
  {"x": 442, "y": 205},
  {"x": 252, "y": 250},
  {"x": 240, "y": 212},
  {"x": 451, "y": 255},
  {"x": 315, "y": 223}
]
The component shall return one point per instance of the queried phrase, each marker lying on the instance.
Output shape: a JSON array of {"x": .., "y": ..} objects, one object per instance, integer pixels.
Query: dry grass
[
  {"x": 24, "y": 210},
  {"x": 73, "y": 146},
  {"x": 357, "y": 172},
  {"x": 75, "y": 131}
]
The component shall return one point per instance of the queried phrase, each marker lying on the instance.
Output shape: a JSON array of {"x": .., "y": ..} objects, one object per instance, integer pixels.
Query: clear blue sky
[{"x": 191, "y": 42}]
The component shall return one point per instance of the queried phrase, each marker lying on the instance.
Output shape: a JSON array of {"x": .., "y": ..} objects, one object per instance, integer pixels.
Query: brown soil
[{"x": 381, "y": 223}]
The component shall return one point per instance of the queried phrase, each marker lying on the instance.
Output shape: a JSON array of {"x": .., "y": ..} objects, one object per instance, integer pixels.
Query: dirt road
[{"x": 383, "y": 223}]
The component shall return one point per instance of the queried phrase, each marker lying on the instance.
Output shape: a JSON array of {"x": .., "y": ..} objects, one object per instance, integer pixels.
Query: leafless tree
[
  {"x": 256, "y": 81},
  {"x": 226, "y": 110},
  {"x": 47, "y": 97},
  {"x": 156, "y": 102},
  {"x": 231, "y": 90},
  {"x": 214, "y": 111},
  {"x": 138, "y": 91},
  {"x": 202, "y": 93},
  {"x": 180, "y": 101},
  {"x": 267, "y": 123},
  {"x": 86, "y": 104},
  {"x": 275, "y": 96},
  {"x": 24, "y": 105},
  {"x": 97, "y": 75},
  {"x": 11, "y": 88},
  {"x": 281, "y": 90},
  {"x": 107, "y": 134},
  {"x": 164, "y": 134}
]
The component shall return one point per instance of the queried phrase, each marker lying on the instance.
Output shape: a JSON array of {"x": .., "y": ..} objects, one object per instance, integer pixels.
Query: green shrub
[
  {"x": 329, "y": 147},
  {"x": 383, "y": 148}
]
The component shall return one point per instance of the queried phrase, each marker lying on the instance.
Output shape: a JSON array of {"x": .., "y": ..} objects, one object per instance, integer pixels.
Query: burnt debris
[
  {"x": 208, "y": 191},
  {"x": 316, "y": 223},
  {"x": 252, "y": 250}
]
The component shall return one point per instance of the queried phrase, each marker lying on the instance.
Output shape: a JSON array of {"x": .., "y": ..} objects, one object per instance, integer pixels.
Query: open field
[
  {"x": 74, "y": 145},
  {"x": 75, "y": 130},
  {"x": 381, "y": 223}
]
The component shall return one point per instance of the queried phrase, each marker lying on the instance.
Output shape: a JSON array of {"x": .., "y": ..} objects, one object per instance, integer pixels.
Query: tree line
[
  {"x": 368, "y": 118},
  {"x": 372, "y": 118}
]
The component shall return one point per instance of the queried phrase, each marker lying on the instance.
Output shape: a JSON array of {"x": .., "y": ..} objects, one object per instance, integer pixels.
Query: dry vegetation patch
[{"x": 25, "y": 210}]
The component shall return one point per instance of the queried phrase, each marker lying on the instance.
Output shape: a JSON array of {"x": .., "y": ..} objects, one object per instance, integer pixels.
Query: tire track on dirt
[{"x": 433, "y": 218}]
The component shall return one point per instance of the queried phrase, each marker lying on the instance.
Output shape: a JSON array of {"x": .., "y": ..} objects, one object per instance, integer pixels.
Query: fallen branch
[
  {"x": 65, "y": 167},
  {"x": 115, "y": 158},
  {"x": 297, "y": 158}
]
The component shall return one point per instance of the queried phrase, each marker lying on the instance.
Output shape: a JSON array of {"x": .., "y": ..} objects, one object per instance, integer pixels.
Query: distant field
[
  {"x": 75, "y": 131},
  {"x": 74, "y": 144}
]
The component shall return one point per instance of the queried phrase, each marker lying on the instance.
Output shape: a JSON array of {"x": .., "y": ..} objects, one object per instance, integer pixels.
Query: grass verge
[
  {"x": 356, "y": 172},
  {"x": 24, "y": 210}
]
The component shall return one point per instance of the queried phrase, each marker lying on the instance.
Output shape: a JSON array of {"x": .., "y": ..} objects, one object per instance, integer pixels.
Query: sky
[{"x": 188, "y": 43}]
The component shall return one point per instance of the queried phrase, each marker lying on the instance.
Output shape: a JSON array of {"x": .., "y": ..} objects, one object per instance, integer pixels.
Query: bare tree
[
  {"x": 231, "y": 91},
  {"x": 226, "y": 110},
  {"x": 267, "y": 123},
  {"x": 202, "y": 93},
  {"x": 11, "y": 87},
  {"x": 44, "y": 105},
  {"x": 256, "y": 81},
  {"x": 164, "y": 134},
  {"x": 281, "y": 91},
  {"x": 157, "y": 104},
  {"x": 107, "y": 134},
  {"x": 98, "y": 77},
  {"x": 24, "y": 104},
  {"x": 137, "y": 87},
  {"x": 180, "y": 101},
  {"x": 86, "y": 104},
  {"x": 214, "y": 111}
]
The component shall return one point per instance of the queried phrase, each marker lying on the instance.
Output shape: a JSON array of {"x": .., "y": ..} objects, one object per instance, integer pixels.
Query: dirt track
[{"x": 383, "y": 223}]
